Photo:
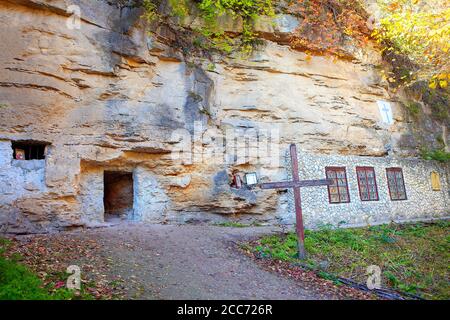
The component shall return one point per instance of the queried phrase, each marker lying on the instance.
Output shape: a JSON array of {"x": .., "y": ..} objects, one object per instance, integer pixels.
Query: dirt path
[
  {"x": 191, "y": 262},
  {"x": 145, "y": 261}
]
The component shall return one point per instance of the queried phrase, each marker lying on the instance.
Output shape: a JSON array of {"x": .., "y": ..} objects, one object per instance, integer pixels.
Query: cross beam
[
  {"x": 296, "y": 184},
  {"x": 293, "y": 184}
]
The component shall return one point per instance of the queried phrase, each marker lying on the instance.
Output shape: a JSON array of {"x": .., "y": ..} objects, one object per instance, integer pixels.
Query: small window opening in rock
[
  {"x": 118, "y": 196},
  {"x": 29, "y": 150}
]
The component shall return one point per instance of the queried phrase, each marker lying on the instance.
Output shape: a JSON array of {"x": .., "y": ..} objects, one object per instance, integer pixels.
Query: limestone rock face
[{"x": 108, "y": 96}]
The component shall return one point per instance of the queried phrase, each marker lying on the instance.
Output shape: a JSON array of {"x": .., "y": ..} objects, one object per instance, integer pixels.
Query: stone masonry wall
[{"x": 422, "y": 202}]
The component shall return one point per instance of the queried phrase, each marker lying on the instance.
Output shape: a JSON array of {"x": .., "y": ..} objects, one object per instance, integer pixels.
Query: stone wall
[
  {"x": 90, "y": 194},
  {"x": 27, "y": 204},
  {"x": 150, "y": 200},
  {"x": 422, "y": 202}
]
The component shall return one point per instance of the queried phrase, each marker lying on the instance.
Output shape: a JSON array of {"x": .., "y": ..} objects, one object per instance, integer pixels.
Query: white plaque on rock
[{"x": 386, "y": 112}]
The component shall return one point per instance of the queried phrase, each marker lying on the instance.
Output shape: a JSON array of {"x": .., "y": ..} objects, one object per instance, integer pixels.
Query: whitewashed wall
[
  {"x": 90, "y": 195},
  {"x": 150, "y": 199},
  {"x": 18, "y": 179}
]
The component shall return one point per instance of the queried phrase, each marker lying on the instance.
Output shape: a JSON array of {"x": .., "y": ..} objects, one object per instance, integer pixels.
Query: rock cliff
[{"x": 112, "y": 95}]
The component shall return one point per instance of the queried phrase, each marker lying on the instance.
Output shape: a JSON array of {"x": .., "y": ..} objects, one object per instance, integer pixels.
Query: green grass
[
  {"x": 17, "y": 282},
  {"x": 413, "y": 257},
  {"x": 231, "y": 224}
]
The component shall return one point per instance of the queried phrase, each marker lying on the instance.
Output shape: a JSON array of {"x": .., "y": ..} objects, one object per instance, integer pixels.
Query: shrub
[{"x": 438, "y": 155}]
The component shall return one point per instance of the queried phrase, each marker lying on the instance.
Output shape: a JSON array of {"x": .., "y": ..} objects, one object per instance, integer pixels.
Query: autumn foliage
[
  {"x": 328, "y": 25},
  {"x": 413, "y": 35},
  {"x": 419, "y": 30}
]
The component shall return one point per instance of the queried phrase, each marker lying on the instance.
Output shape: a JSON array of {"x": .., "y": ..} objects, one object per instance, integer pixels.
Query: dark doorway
[{"x": 118, "y": 195}]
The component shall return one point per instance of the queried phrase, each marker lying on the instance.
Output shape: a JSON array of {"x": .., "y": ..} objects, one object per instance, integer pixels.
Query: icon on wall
[
  {"x": 435, "y": 181},
  {"x": 237, "y": 182},
  {"x": 251, "y": 179},
  {"x": 20, "y": 154},
  {"x": 386, "y": 112}
]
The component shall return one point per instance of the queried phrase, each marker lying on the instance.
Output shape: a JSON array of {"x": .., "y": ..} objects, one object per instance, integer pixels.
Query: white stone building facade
[{"x": 422, "y": 202}]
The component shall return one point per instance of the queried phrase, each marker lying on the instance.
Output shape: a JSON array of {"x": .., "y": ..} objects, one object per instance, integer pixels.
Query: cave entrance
[{"x": 118, "y": 195}]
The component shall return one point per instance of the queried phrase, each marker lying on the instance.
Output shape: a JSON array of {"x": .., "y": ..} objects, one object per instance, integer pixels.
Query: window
[
  {"x": 28, "y": 150},
  {"x": 435, "y": 181},
  {"x": 367, "y": 183},
  {"x": 338, "y": 191},
  {"x": 396, "y": 183}
]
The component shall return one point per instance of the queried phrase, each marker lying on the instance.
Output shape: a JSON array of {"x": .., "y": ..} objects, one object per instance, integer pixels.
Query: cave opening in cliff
[{"x": 118, "y": 195}]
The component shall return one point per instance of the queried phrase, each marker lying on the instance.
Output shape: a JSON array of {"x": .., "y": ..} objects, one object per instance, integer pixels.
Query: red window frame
[
  {"x": 394, "y": 170},
  {"x": 335, "y": 170},
  {"x": 365, "y": 170}
]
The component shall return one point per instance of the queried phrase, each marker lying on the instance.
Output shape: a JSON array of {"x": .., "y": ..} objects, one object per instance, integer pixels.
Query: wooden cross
[{"x": 296, "y": 184}]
